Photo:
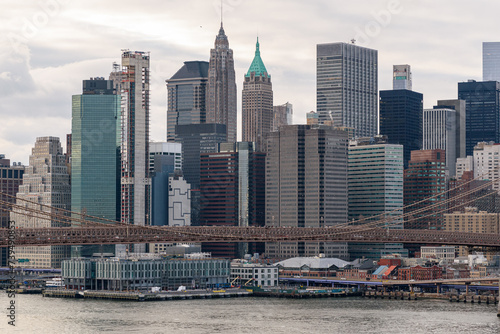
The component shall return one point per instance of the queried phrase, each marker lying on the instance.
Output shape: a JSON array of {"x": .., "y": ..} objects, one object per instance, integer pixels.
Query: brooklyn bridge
[{"x": 74, "y": 228}]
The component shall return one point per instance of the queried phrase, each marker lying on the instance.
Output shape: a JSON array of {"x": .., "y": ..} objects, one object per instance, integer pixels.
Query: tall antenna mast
[{"x": 221, "y": 12}]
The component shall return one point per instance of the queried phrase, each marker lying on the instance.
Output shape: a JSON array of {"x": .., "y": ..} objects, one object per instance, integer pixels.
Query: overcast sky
[{"x": 47, "y": 47}]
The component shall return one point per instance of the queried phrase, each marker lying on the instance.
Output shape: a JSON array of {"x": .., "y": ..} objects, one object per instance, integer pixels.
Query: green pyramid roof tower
[{"x": 257, "y": 65}]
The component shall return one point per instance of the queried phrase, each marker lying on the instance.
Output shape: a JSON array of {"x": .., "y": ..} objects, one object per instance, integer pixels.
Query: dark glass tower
[
  {"x": 186, "y": 92},
  {"x": 197, "y": 139},
  {"x": 221, "y": 92},
  {"x": 401, "y": 113},
  {"x": 482, "y": 105},
  {"x": 233, "y": 194}
]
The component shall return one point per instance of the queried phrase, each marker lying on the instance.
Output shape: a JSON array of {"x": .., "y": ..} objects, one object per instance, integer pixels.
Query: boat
[{"x": 56, "y": 282}]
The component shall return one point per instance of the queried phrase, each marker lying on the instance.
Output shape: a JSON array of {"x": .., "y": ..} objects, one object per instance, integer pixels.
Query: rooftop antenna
[
  {"x": 221, "y": 12},
  {"x": 353, "y": 41}
]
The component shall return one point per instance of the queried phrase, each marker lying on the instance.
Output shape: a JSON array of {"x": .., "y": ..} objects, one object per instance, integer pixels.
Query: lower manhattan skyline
[{"x": 48, "y": 48}]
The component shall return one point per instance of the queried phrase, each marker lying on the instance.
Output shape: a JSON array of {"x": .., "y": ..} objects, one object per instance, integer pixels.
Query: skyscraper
[
  {"x": 482, "y": 101},
  {"x": 306, "y": 185},
  {"x": 95, "y": 158},
  {"x": 440, "y": 132},
  {"x": 197, "y": 139},
  {"x": 491, "y": 61},
  {"x": 459, "y": 107},
  {"x": 347, "y": 87},
  {"x": 11, "y": 178},
  {"x": 283, "y": 115},
  {"x": 133, "y": 83},
  {"x": 46, "y": 186},
  {"x": 221, "y": 92},
  {"x": 424, "y": 185},
  {"x": 401, "y": 77},
  {"x": 257, "y": 103},
  {"x": 372, "y": 161},
  {"x": 186, "y": 93},
  {"x": 232, "y": 193},
  {"x": 401, "y": 119}
]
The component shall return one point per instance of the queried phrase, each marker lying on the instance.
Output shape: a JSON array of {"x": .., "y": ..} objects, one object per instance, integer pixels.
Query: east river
[{"x": 35, "y": 314}]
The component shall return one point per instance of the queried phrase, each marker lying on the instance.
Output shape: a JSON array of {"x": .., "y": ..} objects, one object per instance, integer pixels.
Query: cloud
[{"x": 47, "y": 51}]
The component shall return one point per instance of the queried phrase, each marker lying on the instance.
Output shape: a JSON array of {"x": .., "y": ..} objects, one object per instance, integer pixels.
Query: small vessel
[{"x": 55, "y": 282}]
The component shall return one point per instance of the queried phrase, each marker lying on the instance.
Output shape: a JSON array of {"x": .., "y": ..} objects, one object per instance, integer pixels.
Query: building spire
[{"x": 257, "y": 65}]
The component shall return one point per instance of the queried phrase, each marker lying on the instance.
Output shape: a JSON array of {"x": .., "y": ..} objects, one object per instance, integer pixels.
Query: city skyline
[{"x": 51, "y": 46}]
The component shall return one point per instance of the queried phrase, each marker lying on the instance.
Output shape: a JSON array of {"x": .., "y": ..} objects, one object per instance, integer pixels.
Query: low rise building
[
  {"x": 419, "y": 273},
  {"x": 438, "y": 252},
  {"x": 310, "y": 266},
  {"x": 244, "y": 273},
  {"x": 194, "y": 270}
]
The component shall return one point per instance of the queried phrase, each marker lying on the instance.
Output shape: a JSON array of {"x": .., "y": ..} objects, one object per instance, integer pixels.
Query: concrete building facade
[
  {"x": 46, "y": 187},
  {"x": 283, "y": 115},
  {"x": 306, "y": 185},
  {"x": 221, "y": 91},
  {"x": 132, "y": 81},
  {"x": 347, "y": 87},
  {"x": 440, "y": 132}
]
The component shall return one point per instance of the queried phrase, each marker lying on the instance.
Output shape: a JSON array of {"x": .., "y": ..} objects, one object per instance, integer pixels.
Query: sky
[{"x": 47, "y": 47}]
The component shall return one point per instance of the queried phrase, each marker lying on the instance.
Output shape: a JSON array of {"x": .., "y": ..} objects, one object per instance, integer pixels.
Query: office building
[
  {"x": 283, "y": 115},
  {"x": 401, "y": 77},
  {"x": 440, "y": 132},
  {"x": 221, "y": 91},
  {"x": 347, "y": 87},
  {"x": 306, "y": 186},
  {"x": 197, "y": 139},
  {"x": 375, "y": 186},
  {"x": 312, "y": 118},
  {"x": 253, "y": 274},
  {"x": 459, "y": 107},
  {"x": 482, "y": 102},
  {"x": 11, "y": 178},
  {"x": 438, "y": 252},
  {"x": 464, "y": 165},
  {"x": 472, "y": 221},
  {"x": 193, "y": 271},
  {"x": 233, "y": 194},
  {"x": 424, "y": 187},
  {"x": 95, "y": 155},
  {"x": 132, "y": 81},
  {"x": 45, "y": 187},
  {"x": 487, "y": 163},
  {"x": 165, "y": 148},
  {"x": 186, "y": 94},
  {"x": 257, "y": 103},
  {"x": 491, "y": 61},
  {"x": 401, "y": 113}
]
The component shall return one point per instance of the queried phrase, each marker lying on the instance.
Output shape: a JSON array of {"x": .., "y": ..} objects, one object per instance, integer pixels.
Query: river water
[{"x": 35, "y": 314}]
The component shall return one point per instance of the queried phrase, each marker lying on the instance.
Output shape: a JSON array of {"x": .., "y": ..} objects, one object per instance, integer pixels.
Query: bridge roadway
[{"x": 152, "y": 234}]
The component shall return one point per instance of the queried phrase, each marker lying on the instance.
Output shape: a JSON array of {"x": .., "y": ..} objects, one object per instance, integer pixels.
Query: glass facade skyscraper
[
  {"x": 95, "y": 155},
  {"x": 491, "y": 61},
  {"x": 482, "y": 120},
  {"x": 401, "y": 119},
  {"x": 186, "y": 92},
  {"x": 347, "y": 87}
]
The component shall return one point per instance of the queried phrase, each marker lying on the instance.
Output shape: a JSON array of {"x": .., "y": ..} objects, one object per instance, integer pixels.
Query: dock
[{"x": 144, "y": 296}]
